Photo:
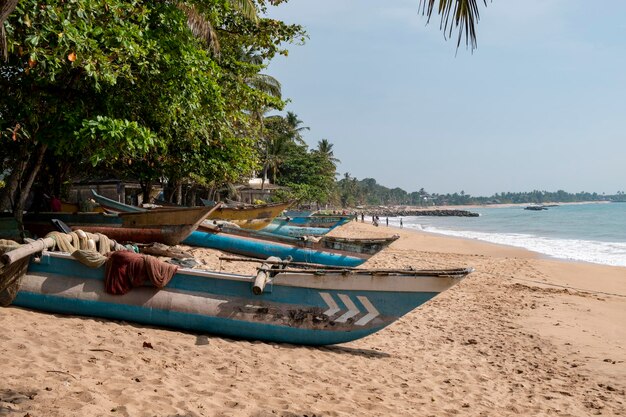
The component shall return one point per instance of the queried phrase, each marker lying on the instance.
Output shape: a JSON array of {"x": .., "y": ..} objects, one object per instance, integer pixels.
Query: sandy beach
[{"x": 522, "y": 335}]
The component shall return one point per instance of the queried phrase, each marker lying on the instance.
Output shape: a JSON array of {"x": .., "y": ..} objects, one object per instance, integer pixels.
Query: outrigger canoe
[
  {"x": 315, "y": 221},
  {"x": 334, "y": 251},
  {"x": 253, "y": 217},
  {"x": 169, "y": 226},
  {"x": 308, "y": 307},
  {"x": 284, "y": 229}
]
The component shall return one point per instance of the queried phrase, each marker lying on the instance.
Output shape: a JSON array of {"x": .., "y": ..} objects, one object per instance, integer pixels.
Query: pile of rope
[
  {"x": 81, "y": 245},
  {"x": 124, "y": 270}
]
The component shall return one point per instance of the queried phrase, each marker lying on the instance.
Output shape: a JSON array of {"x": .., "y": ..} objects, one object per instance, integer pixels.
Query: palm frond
[
  {"x": 201, "y": 27},
  {"x": 246, "y": 8},
  {"x": 265, "y": 83},
  {"x": 461, "y": 14}
]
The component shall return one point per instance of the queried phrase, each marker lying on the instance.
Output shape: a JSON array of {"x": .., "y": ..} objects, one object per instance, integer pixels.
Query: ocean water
[{"x": 581, "y": 232}]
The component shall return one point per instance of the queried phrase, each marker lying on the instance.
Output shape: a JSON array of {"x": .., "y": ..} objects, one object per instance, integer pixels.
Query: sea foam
[{"x": 607, "y": 253}]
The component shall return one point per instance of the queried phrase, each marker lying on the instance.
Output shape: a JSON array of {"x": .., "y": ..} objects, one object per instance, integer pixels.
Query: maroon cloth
[
  {"x": 126, "y": 269},
  {"x": 55, "y": 204}
]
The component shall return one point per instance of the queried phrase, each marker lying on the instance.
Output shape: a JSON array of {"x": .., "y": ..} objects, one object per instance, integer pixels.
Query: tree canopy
[
  {"x": 131, "y": 88},
  {"x": 170, "y": 92}
]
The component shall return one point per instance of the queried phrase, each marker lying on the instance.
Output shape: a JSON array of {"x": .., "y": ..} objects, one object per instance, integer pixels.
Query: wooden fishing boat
[
  {"x": 169, "y": 226},
  {"x": 115, "y": 206},
  {"x": 315, "y": 221},
  {"x": 326, "y": 250},
  {"x": 298, "y": 213},
  {"x": 284, "y": 229},
  {"x": 75, "y": 208},
  {"x": 309, "y": 307},
  {"x": 253, "y": 217}
]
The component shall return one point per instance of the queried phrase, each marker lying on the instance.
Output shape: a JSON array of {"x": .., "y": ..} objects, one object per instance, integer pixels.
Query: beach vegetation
[
  {"x": 134, "y": 90},
  {"x": 309, "y": 174},
  {"x": 367, "y": 192}
]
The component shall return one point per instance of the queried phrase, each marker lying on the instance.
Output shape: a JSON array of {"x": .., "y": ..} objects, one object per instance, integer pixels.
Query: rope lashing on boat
[
  {"x": 80, "y": 240},
  {"x": 62, "y": 241},
  {"x": 89, "y": 258},
  {"x": 11, "y": 275},
  {"x": 124, "y": 269}
]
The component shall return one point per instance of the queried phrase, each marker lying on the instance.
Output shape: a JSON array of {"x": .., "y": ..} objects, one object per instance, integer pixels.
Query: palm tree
[
  {"x": 325, "y": 148},
  {"x": 276, "y": 152},
  {"x": 294, "y": 124},
  {"x": 202, "y": 27}
]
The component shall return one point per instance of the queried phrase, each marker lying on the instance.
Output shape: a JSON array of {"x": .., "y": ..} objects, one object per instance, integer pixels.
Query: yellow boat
[
  {"x": 246, "y": 216},
  {"x": 253, "y": 217},
  {"x": 74, "y": 208}
]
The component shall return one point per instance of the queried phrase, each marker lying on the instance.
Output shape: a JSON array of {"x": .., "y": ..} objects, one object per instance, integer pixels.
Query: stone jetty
[{"x": 391, "y": 212}]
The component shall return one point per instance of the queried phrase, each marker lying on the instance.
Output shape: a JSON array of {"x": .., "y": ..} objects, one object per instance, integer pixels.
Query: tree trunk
[
  {"x": 7, "y": 196},
  {"x": 192, "y": 197},
  {"x": 264, "y": 178},
  {"x": 179, "y": 193},
  {"x": 24, "y": 189},
  {"x": 6, "y": 8},
  {"x": 146, "y": 189},
  {"x": 10, "y": 196}
]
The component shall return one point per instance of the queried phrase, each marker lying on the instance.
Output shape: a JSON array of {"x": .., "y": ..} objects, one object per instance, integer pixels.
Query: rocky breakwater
[{"x": 420, "y": 212}]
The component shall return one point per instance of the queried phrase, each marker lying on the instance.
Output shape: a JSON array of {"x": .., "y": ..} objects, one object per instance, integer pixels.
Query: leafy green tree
[{"x": 130, "y": 87}]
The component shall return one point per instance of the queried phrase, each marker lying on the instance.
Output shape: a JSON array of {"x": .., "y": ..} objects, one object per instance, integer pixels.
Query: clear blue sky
[{"x": 541, "y": 104}]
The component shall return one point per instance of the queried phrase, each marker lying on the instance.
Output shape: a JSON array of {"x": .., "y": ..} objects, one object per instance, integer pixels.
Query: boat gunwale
[{"x": 352, "y": 280}]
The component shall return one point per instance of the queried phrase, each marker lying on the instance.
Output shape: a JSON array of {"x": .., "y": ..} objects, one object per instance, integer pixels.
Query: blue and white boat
[
  {"x": 327, "y": 221},
  {"x": 332, "y": 251},
  {"x": 282, "y": 228},
  {"x": 301, "y": 307}
]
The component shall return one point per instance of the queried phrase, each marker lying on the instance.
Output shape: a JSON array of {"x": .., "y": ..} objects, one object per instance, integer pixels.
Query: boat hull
[
  {"x": 294, "y": 308},
  {"x": 333, "y": 252},
  {"x": 252, "y": 218},
  {"x": 168, "y": 226},
  {"x": 283, "y": 229},
  {"x": 316, "y": 221}
]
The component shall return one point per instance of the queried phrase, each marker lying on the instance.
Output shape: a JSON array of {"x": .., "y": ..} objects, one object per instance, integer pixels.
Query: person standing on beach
[
  {"x": 387, "y": 221},
  {"x": 400, "y": 222}
]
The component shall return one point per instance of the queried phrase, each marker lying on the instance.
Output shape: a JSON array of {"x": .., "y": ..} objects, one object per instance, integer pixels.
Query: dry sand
[{"x": 523, "y": 335}]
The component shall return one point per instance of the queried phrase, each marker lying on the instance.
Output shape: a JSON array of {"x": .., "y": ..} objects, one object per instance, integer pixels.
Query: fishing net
[{"x": 11, "y": 275}]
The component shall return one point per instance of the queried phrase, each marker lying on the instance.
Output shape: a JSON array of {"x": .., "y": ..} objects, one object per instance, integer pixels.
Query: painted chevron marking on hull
[
  {"x": 333, "y": 308},
  {"x": 371, "y": 311},
  {"x": 352, "y": 309}
]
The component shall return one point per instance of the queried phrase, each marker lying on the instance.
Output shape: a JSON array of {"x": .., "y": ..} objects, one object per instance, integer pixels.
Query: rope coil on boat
[{"x": 81, "y": 246}]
